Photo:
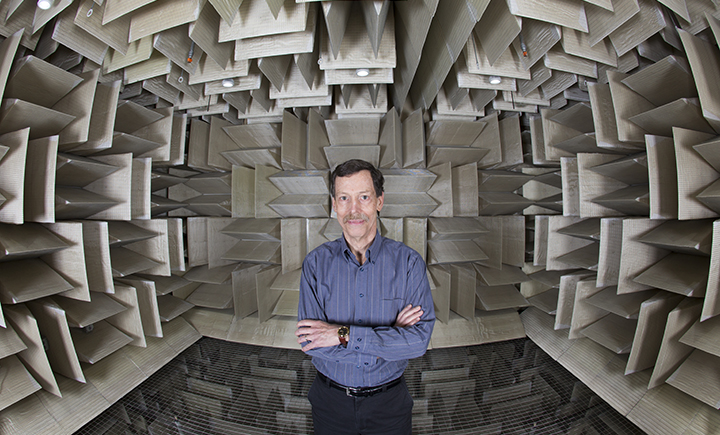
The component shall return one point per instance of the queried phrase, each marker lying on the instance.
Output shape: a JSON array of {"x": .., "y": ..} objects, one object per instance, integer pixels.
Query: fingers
[
  {"x": 302, "y": 331},
  {"x": 305, "y": 327},
  {"x": 410, "y": 310},
  {"x": 415, "y": 314},
  {"x": 409, "y": 316},
  {"x": 402, "y": 315},
  {"x": 308, "y": 323},
  {"x": 414, "y": 319},
  {"x": 317, "y": 340},
  {"x": 304, "y": 339},
  {"x": 301, "y": 338},
  {"x": 309, "y": 346},
  {"x": 315, "y": 334}
]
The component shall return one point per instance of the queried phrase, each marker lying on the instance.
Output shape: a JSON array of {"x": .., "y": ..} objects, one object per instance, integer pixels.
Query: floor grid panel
[{"x": 220, "y": 387}]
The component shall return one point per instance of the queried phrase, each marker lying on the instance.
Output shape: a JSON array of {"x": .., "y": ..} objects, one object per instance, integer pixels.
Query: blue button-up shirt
[{"x": 337, "y": 289}]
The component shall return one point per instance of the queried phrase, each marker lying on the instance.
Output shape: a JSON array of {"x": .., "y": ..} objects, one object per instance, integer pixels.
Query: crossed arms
[
  {"x": 316, "y": 333},
  {"x": 406, "y": 338}
]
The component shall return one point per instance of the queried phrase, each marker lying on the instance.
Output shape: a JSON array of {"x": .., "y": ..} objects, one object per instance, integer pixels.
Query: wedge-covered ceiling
[{"x": 251, "y": 59}]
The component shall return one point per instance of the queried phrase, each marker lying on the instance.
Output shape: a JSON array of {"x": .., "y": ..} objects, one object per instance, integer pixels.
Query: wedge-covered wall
[{"x": 164, "y": 169}]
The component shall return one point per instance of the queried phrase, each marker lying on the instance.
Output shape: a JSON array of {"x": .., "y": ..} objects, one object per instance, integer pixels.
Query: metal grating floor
[{"x": 220, "y": 387}]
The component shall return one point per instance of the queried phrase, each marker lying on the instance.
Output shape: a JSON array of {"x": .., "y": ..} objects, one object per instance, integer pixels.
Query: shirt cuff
[{"x": 357, "y": 341}]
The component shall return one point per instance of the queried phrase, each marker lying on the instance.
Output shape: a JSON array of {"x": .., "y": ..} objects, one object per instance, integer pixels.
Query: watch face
[{"x": 343, "y": 331}]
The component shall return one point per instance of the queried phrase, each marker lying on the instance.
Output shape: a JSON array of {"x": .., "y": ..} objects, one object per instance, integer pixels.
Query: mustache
[{"x": 357, "y": 216}]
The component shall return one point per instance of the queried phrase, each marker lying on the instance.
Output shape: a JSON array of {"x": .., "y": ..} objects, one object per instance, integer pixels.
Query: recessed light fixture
[
  {"x": 495, "y": 80},
  {"x": 44, "y": 4},
  {"x": 228, "y": 83},
  {"x": 362, "y": 72}
]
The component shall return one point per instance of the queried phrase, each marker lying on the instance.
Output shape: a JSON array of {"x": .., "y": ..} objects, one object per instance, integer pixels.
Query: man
[{"x": 365, "y": 309}]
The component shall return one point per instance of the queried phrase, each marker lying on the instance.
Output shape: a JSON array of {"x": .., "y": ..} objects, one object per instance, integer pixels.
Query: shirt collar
[{"x": 371, "y": 252}]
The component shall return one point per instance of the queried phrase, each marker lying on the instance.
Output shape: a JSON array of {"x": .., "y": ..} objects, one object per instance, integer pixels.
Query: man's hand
[
  {"x": 316, "y": 334},
  {"x": 408, "y": 316}
]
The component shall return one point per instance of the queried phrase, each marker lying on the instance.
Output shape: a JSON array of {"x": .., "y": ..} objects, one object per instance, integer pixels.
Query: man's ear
[
  {"x": 381, "y": 201},
  {"x": 332, "y": 202}
]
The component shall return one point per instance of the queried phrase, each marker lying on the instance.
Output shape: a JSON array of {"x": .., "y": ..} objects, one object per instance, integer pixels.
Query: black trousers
[{"x": 336, "y": 413}]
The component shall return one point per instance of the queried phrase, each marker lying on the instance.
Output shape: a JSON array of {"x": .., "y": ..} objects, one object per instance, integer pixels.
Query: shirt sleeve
[
  {"x": 395, "y": 343},
  {"x": 369, "y": 343}
]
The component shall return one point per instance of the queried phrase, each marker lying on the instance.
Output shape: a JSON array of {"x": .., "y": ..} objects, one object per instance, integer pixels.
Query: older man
[{"x": 365, "y": 310}]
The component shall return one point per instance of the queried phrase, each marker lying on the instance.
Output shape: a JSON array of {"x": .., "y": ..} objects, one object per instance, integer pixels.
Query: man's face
[{"x": 356, "y": 205}]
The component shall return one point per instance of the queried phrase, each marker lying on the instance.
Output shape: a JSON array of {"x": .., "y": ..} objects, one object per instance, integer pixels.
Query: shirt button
[
  {"x": 360, "y": 321},
  {"x": 362, "y": 295},
  {"x": 366, "y": 363},
  {"x": 362, "y": 269},
  {"x": 359, "y": 339},
  {"x": 358, "y": 366},
  {"x": 357, "y": 347}
]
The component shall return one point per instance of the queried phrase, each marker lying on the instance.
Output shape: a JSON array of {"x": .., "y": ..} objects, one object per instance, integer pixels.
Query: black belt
[{"x": 359, "y": 391}]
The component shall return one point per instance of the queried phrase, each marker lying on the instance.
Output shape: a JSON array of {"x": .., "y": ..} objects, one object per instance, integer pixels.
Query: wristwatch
[{"x": 343, "y": 334}]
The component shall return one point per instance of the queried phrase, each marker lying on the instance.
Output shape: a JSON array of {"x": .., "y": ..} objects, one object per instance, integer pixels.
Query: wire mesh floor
[{"x": 219, "y": 387}]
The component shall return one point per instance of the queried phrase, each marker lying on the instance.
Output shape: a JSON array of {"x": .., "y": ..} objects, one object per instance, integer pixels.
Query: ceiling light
[
  {"x": 495, "y": 80},
  {"x": 44, "y": 4},
  {"x": 228, "y": 83},
  {"x": 362, "y": 72}
]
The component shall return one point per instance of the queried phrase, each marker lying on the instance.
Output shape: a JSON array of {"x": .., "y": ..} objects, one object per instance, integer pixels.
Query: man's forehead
[
  {"x": 352, "y": 187},
  {"x": 355, "y": 183},
  {"x": 358, "y": 178}
]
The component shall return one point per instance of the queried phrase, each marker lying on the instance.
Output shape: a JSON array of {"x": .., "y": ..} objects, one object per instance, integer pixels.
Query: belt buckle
[{"x": 347, "y": 391}]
